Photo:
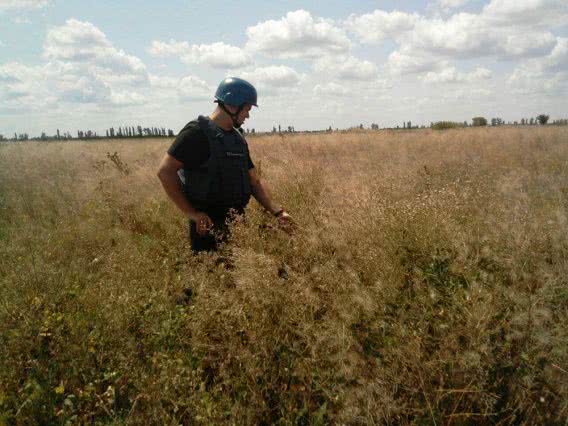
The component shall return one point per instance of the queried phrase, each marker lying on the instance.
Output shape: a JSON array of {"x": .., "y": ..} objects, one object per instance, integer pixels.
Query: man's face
[{"x": 243, "y": 115}]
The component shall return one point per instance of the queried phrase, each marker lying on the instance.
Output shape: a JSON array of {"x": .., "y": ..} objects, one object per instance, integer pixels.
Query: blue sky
[{"x": 73, "y": 65}]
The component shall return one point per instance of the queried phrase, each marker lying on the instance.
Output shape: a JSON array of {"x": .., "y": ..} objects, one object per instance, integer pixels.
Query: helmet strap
[{"x": 233, "y": 116}]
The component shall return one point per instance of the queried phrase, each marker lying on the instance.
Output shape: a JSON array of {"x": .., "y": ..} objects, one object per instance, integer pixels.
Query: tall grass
[{"x": 427, "y": 283}]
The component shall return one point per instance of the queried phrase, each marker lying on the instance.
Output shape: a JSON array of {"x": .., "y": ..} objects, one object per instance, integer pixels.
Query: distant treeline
[
  {"x": 539, "y": 120},
  {"x": 111, "y": 133},
  {"x": 157, "y": 132}
]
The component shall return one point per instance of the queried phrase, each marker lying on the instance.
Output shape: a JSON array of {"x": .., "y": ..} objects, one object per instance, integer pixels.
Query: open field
[{"x": 427, "y": 282}]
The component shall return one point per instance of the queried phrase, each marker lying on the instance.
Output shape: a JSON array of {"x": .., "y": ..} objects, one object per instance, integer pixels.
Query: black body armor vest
[{"x": 222, "y": 182}]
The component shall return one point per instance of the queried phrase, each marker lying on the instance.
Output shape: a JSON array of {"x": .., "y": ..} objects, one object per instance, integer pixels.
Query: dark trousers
[{"x": 219, "y": 234}]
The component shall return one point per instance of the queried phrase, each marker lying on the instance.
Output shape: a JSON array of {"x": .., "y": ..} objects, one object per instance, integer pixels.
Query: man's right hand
[
  {"x": 203, "y": 223},
  {"x": 168, "y": 175},
  {"x": 286, "y": 223}
]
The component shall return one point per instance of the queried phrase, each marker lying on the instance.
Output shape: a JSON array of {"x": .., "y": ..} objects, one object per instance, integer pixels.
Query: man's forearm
[
  {"x": 173, "y": 189},
  {"x": 262, "y": 195}
]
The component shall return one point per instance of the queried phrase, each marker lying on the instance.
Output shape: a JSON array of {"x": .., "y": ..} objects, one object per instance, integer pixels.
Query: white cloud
[
  {"x": 219, "y": 55},
  {"x": 15, "y": 74},
  {"x": 379, "y": 25},
  {"x": 543, "y": 13},
  {"x": 274, "y": 80},
  {"x": 163, "y": 82},
  {"x": 11, "y": 70},
  {"x": 82, "y": 67},
  {"x": 82, "y": 89},
  {"x": 297, "y": 35},
  {"x": 452, "y": 75},
  {"x": 332, "y": 89},
  {"x": 170, "y": 48},
  {"x": 273, "y": 77},
  {"x": 543, "y": 75},
  {"x": 479, "y": 73},
  {"x": 362, "y": 91},
  {"x": 22, "y": 4},
  {"x": 378, "y": 85},
  {"x": 346, "y": 67},
  {"x": 467, "y": 94},
  {"x": 75, "y": 41},
  {"x": 446, "y": 6},
  {"x": 73, "y": 83},
  {"x": 189, "y": 88},
  {"x": 399, "y": 63},
  {"x": 525, "y": 81},
  {"x": 8, "y": 74},
  {"x": 504, "y": 29},
  {"x": 24, "y": 87},
  {"x": 452, "y": 4},
  {"x": 115, "y": 79},
  {"x": 194, "y": 89},
  {"x": 127, "y": 98},
  {"x": 467, "y": 35},
  {"x": 82, "y": 42},
  {"x": 557, "y": 60}
]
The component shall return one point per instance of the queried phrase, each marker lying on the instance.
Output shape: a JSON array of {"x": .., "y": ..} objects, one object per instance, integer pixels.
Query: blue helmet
[{"x": 236, "y": 92}]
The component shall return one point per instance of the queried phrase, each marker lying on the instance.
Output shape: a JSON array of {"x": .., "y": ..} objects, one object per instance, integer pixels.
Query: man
[{"x": 208, "y": 173}]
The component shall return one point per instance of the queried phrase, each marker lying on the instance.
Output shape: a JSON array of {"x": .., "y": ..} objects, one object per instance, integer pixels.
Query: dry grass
[{"x": 427, "y": 284}]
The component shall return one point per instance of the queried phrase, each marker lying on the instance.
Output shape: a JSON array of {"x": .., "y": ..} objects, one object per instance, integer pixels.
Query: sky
[{"x": 76, "y": 65}]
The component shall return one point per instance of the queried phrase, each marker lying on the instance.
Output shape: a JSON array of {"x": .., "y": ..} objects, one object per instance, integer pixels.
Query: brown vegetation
[{"x": 427, "y": 283}]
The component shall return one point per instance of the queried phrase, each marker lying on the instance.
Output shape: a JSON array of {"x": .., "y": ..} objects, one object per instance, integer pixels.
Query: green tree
[
  {"x": 542, "y": 119},
  {"x": 443, "y": 125},
  {"x": 479, "y": 121}
]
